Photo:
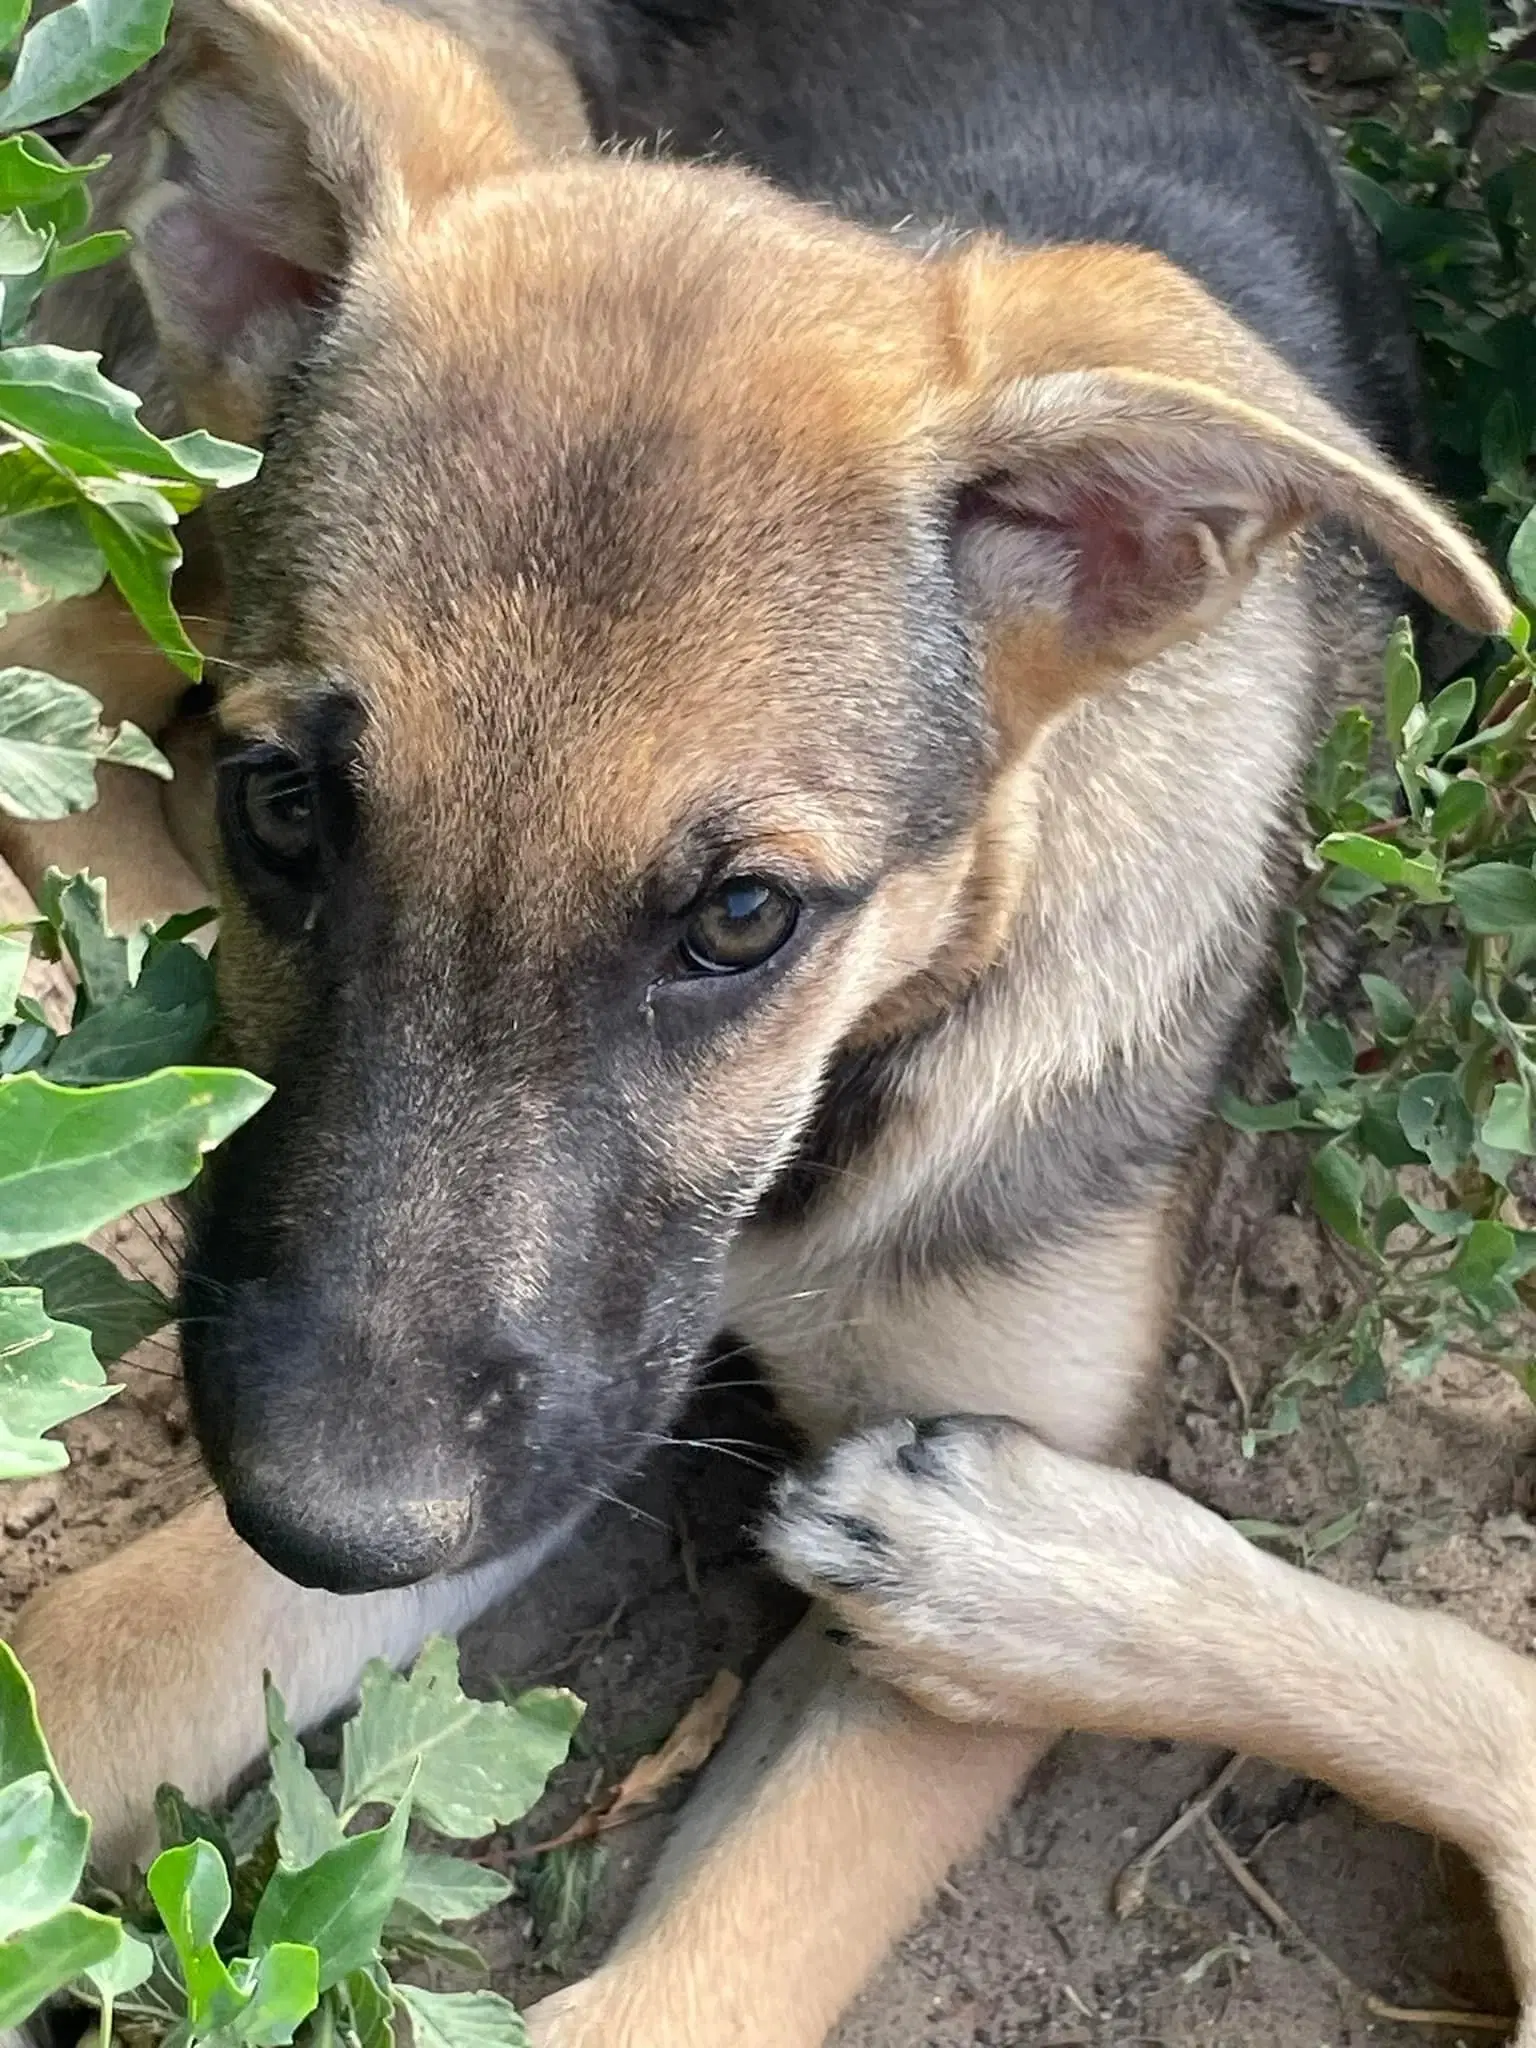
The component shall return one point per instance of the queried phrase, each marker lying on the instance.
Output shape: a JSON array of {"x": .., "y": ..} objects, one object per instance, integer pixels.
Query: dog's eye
[
  {"x": 275, "y": 805},
  {"x": 739, "y": 925}
]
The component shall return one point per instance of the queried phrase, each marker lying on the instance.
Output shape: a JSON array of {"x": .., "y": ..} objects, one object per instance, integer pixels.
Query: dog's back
[{"x": 1155, "y": 123}]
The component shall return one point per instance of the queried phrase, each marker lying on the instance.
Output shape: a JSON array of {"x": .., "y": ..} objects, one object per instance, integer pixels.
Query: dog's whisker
[{"x": 627, "y": 1506}]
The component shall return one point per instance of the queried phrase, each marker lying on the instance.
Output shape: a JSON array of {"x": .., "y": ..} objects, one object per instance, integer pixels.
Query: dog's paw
[{"x": 896, "y": 1530}]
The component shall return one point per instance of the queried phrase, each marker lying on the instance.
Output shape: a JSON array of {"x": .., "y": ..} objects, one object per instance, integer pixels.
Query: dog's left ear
[
  {"x": 292, "y": 138},
  {"x": 1124, "y": 458}
]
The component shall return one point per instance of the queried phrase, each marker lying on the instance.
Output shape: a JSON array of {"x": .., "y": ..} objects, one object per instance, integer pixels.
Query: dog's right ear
[{"x": 290, "y": 135}]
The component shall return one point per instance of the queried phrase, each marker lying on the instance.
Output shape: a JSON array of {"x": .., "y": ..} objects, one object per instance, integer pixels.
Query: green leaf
[
  {"x": 79, "y": 53},
  {"x": 451, "y": 1887},
  {"x": 307, "y": 1825},
  {"x": 411, "y": 1935},
  {"x": 190, "y": 1888},
  {"x": 284, "y": 1991},
  {"x": 89, "y": 253},
  {"x": 1421, "y": 1357},
  {"x": 1395, "y": 1015},
  {"x": 26, "y": 1809},
  {"x": 1292, "y": 962},
  {"x": 48, "y": 1956},
  {"x": 1477, "y": 1271},
  {"x": 1333, "y": 1533},
  {"x": 1435, "y": 1121},
  {"x": 1425, "y": 35},
  {"x": 39, "y": 1884},
  {"x": 73, "y": 1160},
  {"x": 460, "y": 2019},
  {"x": 1378, "y": 858},
  {"x": 1289, "y": 1115},
  {"x": 1322, "y": 1054},
  {"x": 24, "y": 254},
  {"x": 1403, "y": 684},
  {"x": 143, "y": 555},
  {"x": 51, "y": 738},
  {"x": 339, "y": 1902},
  {"x": 560, "y": 1888},
  {"x": 48, "y": 1374},
  {"x": 82, "y": 1286},
  {"x": 1466, "y": 28},
  {"x": 130, "y": 748},
  {"x": 132, "y": 1965},
  {"x": 1448, "y": 1223},
  {"x": 1380, "y": 1133},
  {"x": 59, "y": 399},
  {"x": 1522, "y": 558},
  {"x": 1383, "y": 862},
  {"x": 1345, "y": 889},
  {"x": 1339, "y": 764},
  {"x": 477, "y": 1764},
  {"x": 218, "y": 464},
  {"x": 1459, "y": 809},
  {"x": 1444, "y": 718},
  {"x": 1502, "y": 451},
  {"x": 76, "y": 908},
  {"x": 46, "y": 556},
  {"x": 164, "y": 1020},
  {"x": 367, "y": 1996},
  {"x": 1495, "y": 897},
  {"x": 50, "y": 190},
  {"x": 1508, "y": 1122},
  {"x": 15, "y": 956},
  {"x": 1338, "y": 1188}
]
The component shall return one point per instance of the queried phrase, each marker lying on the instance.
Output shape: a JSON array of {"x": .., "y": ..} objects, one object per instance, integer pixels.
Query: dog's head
[{"x": 650, "y": 590}]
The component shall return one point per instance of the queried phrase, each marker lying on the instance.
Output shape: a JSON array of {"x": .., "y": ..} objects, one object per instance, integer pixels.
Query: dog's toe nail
[{"x": 918, "y": 1457}]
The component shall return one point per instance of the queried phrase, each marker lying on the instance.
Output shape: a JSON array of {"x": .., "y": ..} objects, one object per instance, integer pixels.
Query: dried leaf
[{"x": 687, "y": 1749}]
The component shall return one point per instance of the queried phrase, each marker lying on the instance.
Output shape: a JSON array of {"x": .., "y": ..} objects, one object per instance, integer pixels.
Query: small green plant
[
  {"x": 297, "y": 1915},
  {"x": 1423, "y": 1115},
  {"x": 1457, "y": 218},
  {"x": 118, "y": 1110},
  {"x": 1417, "y": 1096}
]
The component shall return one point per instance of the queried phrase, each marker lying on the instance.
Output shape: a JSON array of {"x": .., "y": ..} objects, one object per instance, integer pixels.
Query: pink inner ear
[
  {"x": 214, "y": 283},
  {"x": 1096, "y": 557}
]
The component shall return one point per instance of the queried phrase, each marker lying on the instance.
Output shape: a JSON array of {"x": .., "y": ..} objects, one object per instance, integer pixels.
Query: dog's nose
[{"x": 352, "y": 1545}]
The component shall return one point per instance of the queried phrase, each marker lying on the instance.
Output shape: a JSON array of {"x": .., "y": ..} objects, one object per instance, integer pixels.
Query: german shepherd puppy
[{"x": 763, "y": 706}]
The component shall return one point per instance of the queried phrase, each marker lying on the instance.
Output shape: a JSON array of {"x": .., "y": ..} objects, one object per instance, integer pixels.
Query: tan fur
[
  {"x": 95, "y": 642},
  {"x": 845, "y": 384}
]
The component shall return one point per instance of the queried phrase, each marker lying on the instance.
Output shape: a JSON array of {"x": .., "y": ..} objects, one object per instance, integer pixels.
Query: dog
[{"x": 753, "y": 771}]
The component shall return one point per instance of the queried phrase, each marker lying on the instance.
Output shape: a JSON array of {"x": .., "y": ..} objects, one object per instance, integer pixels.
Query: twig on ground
[
  {"x": 1234, "y": 1374},
  {"x": 1288, "y": 1929},
  {"x": 1130, "y": 1890},
  {"x": 1438, "y": 2016}
]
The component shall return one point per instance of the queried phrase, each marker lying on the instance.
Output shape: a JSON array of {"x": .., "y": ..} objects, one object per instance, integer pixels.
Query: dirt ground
[{"x": 1022, "y": 1946}]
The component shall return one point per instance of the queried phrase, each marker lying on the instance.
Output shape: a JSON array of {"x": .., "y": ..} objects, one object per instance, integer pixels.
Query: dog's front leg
[
  {"x": 1001, "y": 1580},
  {"x": 148, "y": 1666},
  {"x": 833, "y": 1811},
  {"x": 837, "y": 1806},
  {"x": 126, "y": 835}
]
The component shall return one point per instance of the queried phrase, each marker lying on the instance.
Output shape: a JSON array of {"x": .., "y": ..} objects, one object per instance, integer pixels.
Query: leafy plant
[
  {"x": 115, "y": 1111},
  {"x": 1418, "y": 1095},
  {"x": 293, "y": 1916},
  {"x": 1423, "y": 1115},
  {"x": 1457, "y": 218}
]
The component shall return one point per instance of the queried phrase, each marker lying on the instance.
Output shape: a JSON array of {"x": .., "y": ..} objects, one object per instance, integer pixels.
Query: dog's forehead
[{"x": 608, "y": 550}]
